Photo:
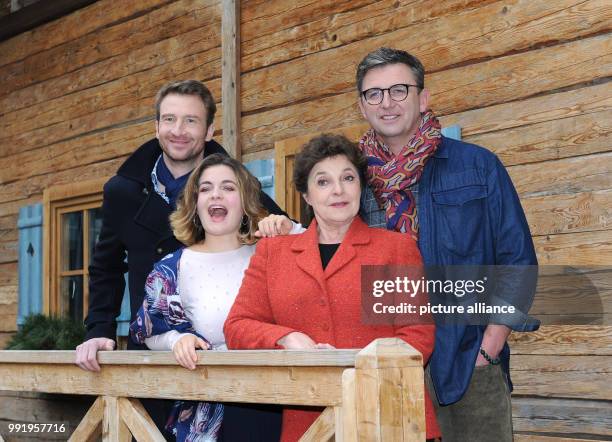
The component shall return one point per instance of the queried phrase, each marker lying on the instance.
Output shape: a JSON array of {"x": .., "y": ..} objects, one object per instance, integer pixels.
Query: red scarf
[{"x": 390, "y": 176}]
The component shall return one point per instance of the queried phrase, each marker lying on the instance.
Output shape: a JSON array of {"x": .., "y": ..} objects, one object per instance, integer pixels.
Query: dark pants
[
  {"x": 159, "y": 410},
  {"x": 251, "y": 423},
  {"x": 484, "y": 413}
]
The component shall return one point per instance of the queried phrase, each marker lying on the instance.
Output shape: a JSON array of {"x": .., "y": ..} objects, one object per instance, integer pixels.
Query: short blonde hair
[{"x": 185, "y": 222}]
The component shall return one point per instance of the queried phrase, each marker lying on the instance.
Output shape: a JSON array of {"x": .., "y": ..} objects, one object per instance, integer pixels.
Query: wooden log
[
  {"x": 193, "y": 44},
  {"x": 501, "y": 28},
  {"x": 90, "y": 427},
  {"x": 322, "y": 429},
  {"x": 585, "y": 173},
  {"x": 561, "y": 416},
  {"x": 230, "y": 76},
  {"x": 550, "y": 140},
  {"x": 72, "y": 27},
  {"x": 563, "y": 340},
  {"x": 130, "y": 90},
  {"x": 568, "y": 213},
  {"x": 108, "y": 42},
  {"x": 568, "y": 384},
  {"x": 295, "y": 30},
  {"x": 98, "y": 147},
  {"x": 574, "y": 249},
  {"x": 8, "y": 272},
  {"x": 138, "y": 421},
  {"x": 113, "y": 427}
]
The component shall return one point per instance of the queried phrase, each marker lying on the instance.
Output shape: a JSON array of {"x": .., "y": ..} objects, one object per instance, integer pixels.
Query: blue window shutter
[
  {"x": 453, "y": 132},
  {"x": 123, "y": 320},
  {"x": 264, "y": 172},
  {"x": 30, "y": 261}
]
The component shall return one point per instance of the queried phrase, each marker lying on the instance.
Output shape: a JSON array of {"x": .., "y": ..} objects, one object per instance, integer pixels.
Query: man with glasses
[{"x": 457, "y": 200}]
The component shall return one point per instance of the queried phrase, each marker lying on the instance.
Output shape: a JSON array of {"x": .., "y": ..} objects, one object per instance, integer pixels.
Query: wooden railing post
[{"x": 383, "y": 397}]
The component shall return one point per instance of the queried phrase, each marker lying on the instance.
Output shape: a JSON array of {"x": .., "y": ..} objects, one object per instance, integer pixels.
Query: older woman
[
  {"x": 189, "y": 292},
  {"x": 303, "y": 291}
]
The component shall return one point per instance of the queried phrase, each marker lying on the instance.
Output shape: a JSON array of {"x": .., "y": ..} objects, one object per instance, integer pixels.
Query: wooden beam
[
  {"x": 113, "y": 427},
  {"x": 230, "y": 76},
  {"x": 138, "y": 421},
  {"x": 309, "y": 386},
  {"x": 90, "y": 428},
  {"x": 321, "y": 430},
  {"x": 277, "y": 358}
]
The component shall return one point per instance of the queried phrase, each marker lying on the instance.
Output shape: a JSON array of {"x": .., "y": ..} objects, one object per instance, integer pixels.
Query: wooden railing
[{"x": 375, "y": 394}]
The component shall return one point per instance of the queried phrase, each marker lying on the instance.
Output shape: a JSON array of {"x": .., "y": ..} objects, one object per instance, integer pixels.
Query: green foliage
[{"x": 40, "y": 332}]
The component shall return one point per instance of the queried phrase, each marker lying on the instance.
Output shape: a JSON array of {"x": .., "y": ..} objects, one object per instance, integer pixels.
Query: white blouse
[{"x": 208, "y": 284}]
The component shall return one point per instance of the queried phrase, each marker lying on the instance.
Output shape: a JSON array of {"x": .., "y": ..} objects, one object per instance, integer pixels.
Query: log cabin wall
[{"x": 527, "y": 79}]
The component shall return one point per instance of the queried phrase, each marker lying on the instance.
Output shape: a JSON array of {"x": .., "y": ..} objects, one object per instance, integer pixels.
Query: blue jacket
[{"x": 469, "y": 214}]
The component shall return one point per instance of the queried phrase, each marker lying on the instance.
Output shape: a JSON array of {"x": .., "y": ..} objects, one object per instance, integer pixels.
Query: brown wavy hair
[{"x": 185, "y": 222}]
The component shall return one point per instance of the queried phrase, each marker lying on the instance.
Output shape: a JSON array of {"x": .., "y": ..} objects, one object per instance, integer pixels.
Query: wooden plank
[
  {"x": 230, "y": 76},
  {"x": 550, "y": 140},
  {"x": 90, "y": 428},
  {"x": 570, "y": 294},
  {"x": 138, "y": 421},
  {"x": 72, "y": 27},
  {"x": 574, "y": 249},
  {"x": 284, "y": 30},
  {"x": 204, "y": 18},
  {"x": 502, "y": 28},
  {"x": 562, "y": 416},
  {"x": 562, "y": 385},
  {"x": 579, "y": 340},
  {"x": 113, "y": 427},
  {"x": 538, "y": 438},
  {"x": 109, "y": 41},
  {"x": 584, "y": 173},
  {"x": 309, "y": 386},
  {"x": 569, "y": 213},
  {"x": 588, "y": 366},
  {"x": 322, "y": 429},
  {"x": 284, "y": 358}
]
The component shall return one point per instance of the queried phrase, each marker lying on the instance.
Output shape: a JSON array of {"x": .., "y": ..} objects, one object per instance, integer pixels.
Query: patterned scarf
[{"x": 390, "y": 176}]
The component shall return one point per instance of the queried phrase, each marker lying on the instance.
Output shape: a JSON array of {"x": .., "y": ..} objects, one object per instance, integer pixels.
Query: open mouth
[{"x": 217, "y": 213}]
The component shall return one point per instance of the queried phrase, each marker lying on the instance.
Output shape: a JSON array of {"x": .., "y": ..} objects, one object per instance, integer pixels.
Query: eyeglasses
[{"x": 397, "y": 92}]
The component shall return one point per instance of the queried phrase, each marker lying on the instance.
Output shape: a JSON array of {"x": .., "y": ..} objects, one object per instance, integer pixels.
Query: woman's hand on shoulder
[
  {"x": 274, "y": 225},
  {"x": 185, "y": 350}
]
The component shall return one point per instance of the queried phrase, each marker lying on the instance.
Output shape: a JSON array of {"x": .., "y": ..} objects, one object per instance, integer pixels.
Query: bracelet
[{"x": 489, "y": 359}]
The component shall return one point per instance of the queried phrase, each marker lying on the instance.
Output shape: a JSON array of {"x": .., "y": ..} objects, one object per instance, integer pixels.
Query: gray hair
[{"x": 384, "y": 56}]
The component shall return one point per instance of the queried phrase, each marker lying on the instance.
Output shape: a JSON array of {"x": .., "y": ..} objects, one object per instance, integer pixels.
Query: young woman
[{"x": 189, "y": 293}]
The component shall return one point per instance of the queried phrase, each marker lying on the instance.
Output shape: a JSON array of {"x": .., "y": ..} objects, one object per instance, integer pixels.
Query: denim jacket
[{"x": 469, "y": 214}]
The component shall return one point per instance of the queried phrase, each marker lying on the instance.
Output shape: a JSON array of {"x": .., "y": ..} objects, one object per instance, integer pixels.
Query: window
[{"x": 73, "y": 220}]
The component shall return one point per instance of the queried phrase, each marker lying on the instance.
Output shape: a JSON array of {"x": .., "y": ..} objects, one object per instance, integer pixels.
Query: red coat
[{"x": 285, "y": 289}]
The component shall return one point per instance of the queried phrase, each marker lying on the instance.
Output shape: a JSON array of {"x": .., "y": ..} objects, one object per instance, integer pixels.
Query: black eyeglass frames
[{"x": 397, "y": 92}]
